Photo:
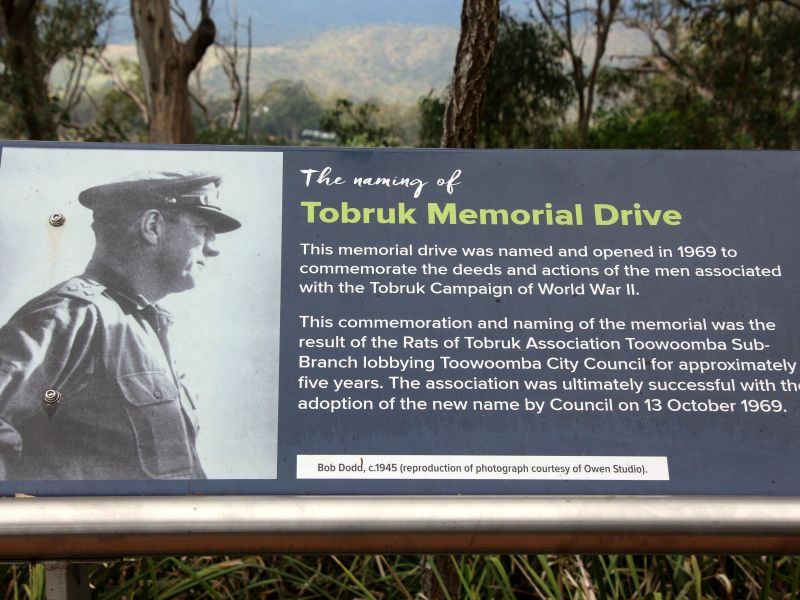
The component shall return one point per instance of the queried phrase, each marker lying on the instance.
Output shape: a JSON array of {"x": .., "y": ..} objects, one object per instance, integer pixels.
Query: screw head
[
  {"x": 52, "y": 397},
  {"x": 57, "y": 219}
]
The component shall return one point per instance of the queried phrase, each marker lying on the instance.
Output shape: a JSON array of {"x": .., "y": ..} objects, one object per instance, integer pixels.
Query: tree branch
[
  {"x": 202, "y": 106},
  {"x": 228, "y": 60},
  {"x": 123, "y": 87},
  {"x": 200, "y": 39}
]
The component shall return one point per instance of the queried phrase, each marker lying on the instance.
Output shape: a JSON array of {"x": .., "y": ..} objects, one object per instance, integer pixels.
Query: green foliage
[
  {"x": 286, "y": 108},
  {"x": 57, "y": 31},
  {"x": 747, "y": 56},
  {"x": 118, "y": 119},
  {"x": 9, "y": 121},
  {"x": 20, "y": 582},
  {"x": 226, "y": 136},
  {"x": 528, "y": 91},
  {"x": 357, "y": 124},
  {"x": 731, "y": 81},
  {"x": 661, "y": 116},
  {"x": 111, "y": 115},
  {"x": 399, "y": 577},
  {"x": 527, "y": 94},
  {"x": 431, "y": 119},
  {"x": 70, "y": 29}
]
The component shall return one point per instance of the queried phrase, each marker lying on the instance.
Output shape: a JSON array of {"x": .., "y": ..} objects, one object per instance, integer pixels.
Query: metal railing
[{"x": 72, "y": 528}]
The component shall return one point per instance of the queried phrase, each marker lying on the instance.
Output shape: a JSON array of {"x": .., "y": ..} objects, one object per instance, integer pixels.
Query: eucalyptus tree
[
  {"x": 35, "y": 36},
  {"x": 166, "y": 61}
]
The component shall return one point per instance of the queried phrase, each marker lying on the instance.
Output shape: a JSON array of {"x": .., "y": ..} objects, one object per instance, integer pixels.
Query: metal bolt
[
  {"x": 57, "y": 219},
  {"x": 52, "y": 397}
]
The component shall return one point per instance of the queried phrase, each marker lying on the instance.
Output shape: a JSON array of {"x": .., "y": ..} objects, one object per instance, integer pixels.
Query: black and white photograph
[{"x": 140, "y": 314}]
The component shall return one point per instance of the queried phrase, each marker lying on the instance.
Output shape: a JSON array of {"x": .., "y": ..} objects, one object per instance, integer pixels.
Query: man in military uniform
[{"x": 88, "y": 387}]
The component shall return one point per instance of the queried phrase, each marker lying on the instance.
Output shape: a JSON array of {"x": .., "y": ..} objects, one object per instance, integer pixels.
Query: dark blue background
[{"x": 744, "y": 200}]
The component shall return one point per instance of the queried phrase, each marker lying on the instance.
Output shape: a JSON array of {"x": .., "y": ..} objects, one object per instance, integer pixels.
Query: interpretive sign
[{"x": 331, "y": 321}]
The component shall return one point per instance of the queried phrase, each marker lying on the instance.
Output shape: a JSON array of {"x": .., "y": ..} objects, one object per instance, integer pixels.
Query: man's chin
[{"x": 185, "y": 284}]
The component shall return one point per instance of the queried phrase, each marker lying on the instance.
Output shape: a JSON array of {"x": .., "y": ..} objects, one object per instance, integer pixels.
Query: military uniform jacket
[{"x": 124, "y": 413}]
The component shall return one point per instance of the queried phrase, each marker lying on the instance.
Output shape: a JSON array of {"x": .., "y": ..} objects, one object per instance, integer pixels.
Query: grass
[{"x": 402, "y": 577}]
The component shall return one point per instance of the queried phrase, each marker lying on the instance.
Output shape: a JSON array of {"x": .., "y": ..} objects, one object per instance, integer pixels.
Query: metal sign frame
[{"x": 103, "y": 526}]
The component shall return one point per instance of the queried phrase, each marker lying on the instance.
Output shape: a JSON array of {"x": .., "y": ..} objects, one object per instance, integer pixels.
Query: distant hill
[{"x": 396, "y": 63}]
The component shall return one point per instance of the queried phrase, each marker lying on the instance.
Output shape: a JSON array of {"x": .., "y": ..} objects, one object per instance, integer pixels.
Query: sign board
[{"x": 398, "y": 322}]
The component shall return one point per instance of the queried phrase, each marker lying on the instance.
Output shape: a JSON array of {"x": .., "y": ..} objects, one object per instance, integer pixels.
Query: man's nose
[{"x": 210, "y": 247}]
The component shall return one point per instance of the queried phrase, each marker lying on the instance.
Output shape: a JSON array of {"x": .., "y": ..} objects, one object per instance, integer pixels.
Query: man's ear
[{"x": 151, "y": 226}]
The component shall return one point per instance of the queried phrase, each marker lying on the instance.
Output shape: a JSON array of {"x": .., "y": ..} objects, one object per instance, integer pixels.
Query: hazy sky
[{"x": 276, "y": 22}]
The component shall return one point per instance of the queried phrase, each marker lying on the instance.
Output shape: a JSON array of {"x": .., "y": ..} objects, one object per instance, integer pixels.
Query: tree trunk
[
  {"x": 166, "y": 63},
  {"x": 26, "y": 74},
  {"x": 462, "y": 113}
]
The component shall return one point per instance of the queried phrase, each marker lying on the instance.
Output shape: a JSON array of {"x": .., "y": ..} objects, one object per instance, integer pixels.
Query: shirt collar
[{"x": 119, "y": 286}]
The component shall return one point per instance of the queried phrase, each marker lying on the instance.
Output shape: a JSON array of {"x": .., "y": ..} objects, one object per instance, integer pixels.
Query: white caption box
[{"x": 435, "y": 466}]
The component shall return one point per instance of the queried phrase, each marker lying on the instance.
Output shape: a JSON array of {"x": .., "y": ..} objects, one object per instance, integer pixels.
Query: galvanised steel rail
[{"x": 107, "y": 527}]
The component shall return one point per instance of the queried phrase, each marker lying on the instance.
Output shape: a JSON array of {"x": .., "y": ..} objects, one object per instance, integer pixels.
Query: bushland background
[{"x": 678, "y": 74}]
